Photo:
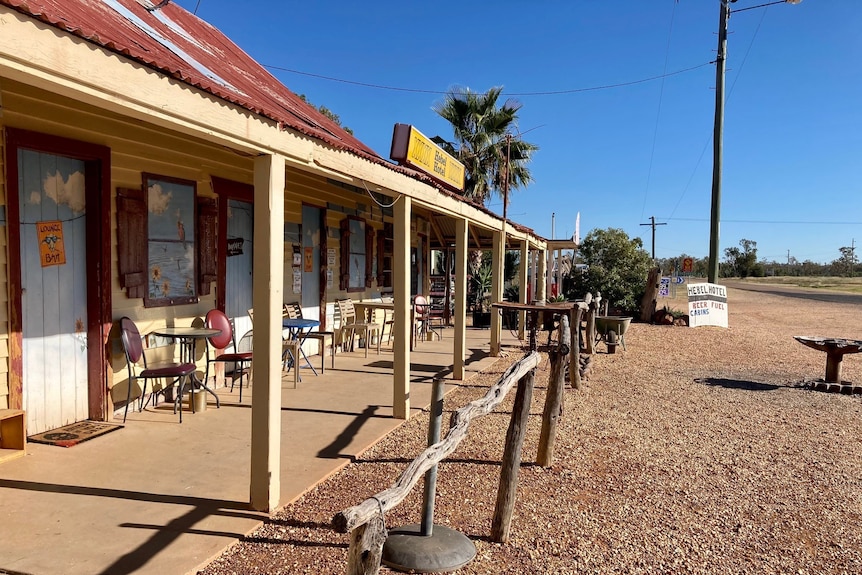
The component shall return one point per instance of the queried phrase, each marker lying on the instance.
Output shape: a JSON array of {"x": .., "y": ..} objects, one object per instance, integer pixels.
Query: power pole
[
  {"x": 718, "y": 133},
  {"x": 506, "y": 177},
  {"x": 507, "y": 167},
  {"x": 653, "y": 225}
]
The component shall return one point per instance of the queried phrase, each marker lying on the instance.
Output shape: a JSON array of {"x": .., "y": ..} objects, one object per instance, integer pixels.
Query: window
[
  {"x": 171, "y": 243},
  {"x": 357, "y": 246},
  {"x": 385, "y": 248},
  {"x": 357, "y": 255},
  {"x": 158, "y": 239}
]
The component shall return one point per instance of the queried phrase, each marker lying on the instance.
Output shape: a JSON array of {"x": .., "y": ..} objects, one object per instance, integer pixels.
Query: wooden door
[
  {"x": 235, "y": 277},
  {"x": 239, "y": 277},
  {"x": 52, "y": 229},
  {"x": 311, "y": 264}
]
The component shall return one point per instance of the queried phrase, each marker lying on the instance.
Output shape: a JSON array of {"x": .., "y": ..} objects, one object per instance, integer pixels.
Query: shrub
[{"x": 618, "y": 267}]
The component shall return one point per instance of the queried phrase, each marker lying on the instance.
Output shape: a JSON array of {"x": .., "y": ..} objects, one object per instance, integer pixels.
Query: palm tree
[{"x": 484, "y": 140}]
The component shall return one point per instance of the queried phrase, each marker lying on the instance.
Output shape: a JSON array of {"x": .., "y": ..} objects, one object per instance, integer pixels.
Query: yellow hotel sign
[{"x": 412, "y": 148}]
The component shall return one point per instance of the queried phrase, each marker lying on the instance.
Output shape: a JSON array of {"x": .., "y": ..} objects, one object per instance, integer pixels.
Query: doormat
[{"x": 74, "y": 433}]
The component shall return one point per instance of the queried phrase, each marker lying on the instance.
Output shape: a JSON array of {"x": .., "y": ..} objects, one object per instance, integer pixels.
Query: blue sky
[{"x": 618, "y": 155}]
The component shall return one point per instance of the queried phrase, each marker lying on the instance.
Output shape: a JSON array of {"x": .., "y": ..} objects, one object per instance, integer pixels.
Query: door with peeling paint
[
  {"x": 239, "y": 274},
  {"x": 52, "y": 226}
]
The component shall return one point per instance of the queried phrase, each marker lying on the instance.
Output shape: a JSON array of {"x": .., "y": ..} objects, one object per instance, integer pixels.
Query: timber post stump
[{"x": 511, "y": 464}]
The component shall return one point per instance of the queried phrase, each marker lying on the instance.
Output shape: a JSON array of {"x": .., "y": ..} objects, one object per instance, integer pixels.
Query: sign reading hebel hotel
[
  {"x": 707, "y": 305},
  {"x": 412, "y": 148}
]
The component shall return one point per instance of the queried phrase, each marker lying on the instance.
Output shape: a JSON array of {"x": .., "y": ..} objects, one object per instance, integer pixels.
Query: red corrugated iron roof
[
  {"x": 128, "y": 28},
  {"x": 181, "y": 45}
]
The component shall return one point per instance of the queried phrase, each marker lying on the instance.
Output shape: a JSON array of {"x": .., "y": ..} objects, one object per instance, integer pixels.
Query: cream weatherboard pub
[{"x": 149, "y": 166}]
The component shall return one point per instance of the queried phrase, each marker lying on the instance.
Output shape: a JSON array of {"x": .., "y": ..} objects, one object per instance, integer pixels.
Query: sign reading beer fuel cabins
[
  {"x": 412, "y": 148},
  {"x": 707, "y": 305}
]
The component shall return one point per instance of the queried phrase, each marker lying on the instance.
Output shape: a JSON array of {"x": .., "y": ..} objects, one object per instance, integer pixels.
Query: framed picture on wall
[{"x": 171, "y": 240}]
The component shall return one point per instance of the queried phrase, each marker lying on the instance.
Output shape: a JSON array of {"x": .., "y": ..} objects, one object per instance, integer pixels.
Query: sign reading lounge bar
[{"x": 412, "y": 148}]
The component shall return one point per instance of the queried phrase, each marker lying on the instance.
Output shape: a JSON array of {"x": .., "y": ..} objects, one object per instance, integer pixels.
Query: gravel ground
[{"x": 695, "y": 451}]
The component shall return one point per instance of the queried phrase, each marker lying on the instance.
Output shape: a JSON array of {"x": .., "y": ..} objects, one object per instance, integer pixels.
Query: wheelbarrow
[{"x": 612, "y": 329}]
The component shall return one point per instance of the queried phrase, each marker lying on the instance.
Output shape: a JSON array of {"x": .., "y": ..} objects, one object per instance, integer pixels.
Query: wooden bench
[{"x": 13, "y": 439}]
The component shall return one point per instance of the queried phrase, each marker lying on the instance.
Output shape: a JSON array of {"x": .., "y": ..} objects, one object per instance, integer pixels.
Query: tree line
[{"x": 742, "y": 262}]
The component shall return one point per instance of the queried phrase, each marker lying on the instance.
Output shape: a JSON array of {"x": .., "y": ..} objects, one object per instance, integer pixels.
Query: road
[{"x": 796, "y": 292}]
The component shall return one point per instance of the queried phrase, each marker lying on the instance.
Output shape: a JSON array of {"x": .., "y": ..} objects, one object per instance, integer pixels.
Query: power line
[
  {"x": 543, "y": 93},
  {"x": 729, "y": 96},
  {"x": 658, "y": 113},
  {"x": 782, "y": 222}
]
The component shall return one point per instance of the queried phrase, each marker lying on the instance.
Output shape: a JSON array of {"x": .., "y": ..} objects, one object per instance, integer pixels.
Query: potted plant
[
  {"x": 551, "y": 319},
  {"x": 482, "y": 289}
]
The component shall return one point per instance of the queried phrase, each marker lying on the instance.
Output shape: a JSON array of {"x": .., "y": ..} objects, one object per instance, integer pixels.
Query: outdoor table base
[
  {"x": 835, "y": 348},
  {"x": 187, "y": 338},
  {"x": 299, "y": 330}
]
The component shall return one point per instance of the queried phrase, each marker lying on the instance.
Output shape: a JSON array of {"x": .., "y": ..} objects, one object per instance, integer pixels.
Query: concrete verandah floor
[{"x": 160, "y": 497}]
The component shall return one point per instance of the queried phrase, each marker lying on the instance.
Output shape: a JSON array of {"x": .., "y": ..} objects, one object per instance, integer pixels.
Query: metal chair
[
  {"x": 216, "y": 319},
  {"x": 350, "y": 327},
  {"x": 422, "y": 323},
  {"x": 134, "y": 350},
  {"x": 388, "y": 318},
  {"x": 289, "y": 350},
  {"x": 294, "y": 310}
]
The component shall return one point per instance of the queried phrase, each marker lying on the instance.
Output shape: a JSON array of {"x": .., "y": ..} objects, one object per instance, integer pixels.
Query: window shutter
[
  {"x": 344, "y": 276},
  {"x": 381, "y": 277},
  {"x": 132, "y": 241},
  {"x": 369, "y": 254},
  {"x": 388, "y": 246},
  {"x": 207, "y": 243}
]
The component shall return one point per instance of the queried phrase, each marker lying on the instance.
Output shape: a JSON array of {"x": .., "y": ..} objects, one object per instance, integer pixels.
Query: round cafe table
[
  {"x": 299, "y": 329},
  {"x": 187, "y": 338}
]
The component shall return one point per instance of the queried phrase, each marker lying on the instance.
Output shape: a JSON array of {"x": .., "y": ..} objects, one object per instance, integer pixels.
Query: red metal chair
[
  {"x": 216, "y": 319},
  {"x": 134, "y": 350},
  {"x": 422, "y": 317}
]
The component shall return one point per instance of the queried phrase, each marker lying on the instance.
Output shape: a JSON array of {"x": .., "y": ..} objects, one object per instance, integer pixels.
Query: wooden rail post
[
  {"x": 366, "y": 547},
  {"x": 590, "y": 336},
  {"x": 554, "y": 399},
  {"x": 512, "y": 460},
  {"x": 575, "y": 345}
]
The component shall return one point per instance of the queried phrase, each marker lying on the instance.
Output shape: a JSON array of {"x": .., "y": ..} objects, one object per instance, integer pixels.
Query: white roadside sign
[
  {"x": 707, "y": 305},
  {"x": 667, "y": 285}
]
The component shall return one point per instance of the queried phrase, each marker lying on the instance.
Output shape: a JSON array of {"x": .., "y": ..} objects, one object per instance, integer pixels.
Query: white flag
[{"x": 578, "y": 229}]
